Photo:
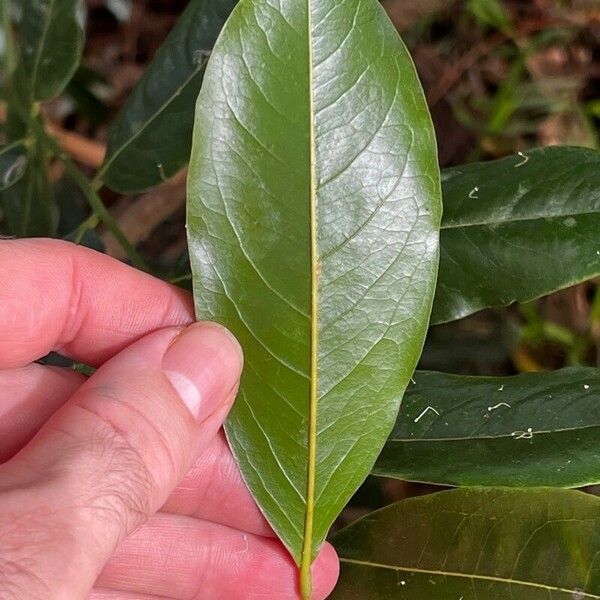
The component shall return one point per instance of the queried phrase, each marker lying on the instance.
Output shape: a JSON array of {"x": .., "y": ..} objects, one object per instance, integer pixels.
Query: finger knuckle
[
  {"x": 123, "y": 487},
  {"x": 106, "y": 471}
]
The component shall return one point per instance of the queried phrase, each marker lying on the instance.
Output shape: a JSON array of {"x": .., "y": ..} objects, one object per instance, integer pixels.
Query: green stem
[
  {"x": 537, "y": 329},
  {"x": 102, "y": 212},
  {"x": 97, "y": 182},
  {"x": 77, "y": 234},
  {"x": 26, "y": 214},
  {"x": 557, "y": 333},
  {"x": 98, "y": 207}
]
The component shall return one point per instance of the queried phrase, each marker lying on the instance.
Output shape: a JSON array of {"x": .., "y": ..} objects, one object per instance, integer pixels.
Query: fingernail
[{"x": 203, "y": 364}]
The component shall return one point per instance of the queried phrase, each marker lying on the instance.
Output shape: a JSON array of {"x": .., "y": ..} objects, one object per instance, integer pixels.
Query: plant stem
[
  {"x": 97, "y": 182},
  {"x": 558, "y": 333},
  {"x": 98, "y": 207},
  {"x": 77, "y": 234},
  {"x": 26, "y": 205},
  {"x": 102, "y": 212},
  {"x": 536, "y": 329}
]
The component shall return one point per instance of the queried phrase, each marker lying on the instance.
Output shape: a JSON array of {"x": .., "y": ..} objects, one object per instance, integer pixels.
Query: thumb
[{"x": 111, "y": 456}]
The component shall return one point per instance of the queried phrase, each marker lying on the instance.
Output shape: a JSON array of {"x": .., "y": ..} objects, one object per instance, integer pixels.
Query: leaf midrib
[
  {"x": 536, "y": 217},
  {"x": 41, "y": 45},
  {"x": 307, "y": 549},
  {"x": 489, "y": 437},
  {"x": 475, "y": 576}
]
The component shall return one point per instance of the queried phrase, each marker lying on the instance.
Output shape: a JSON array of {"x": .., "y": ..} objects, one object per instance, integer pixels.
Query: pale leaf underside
[{"x": 336, "y": 85}]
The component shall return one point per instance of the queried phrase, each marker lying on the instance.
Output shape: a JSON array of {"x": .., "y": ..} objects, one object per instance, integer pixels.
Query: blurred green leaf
[
  {"x": 474, "y": 544},
  {"x": 593, "y": 108},
  {"x": 508, "y": 99},
  {"x": 517, "y": 228},
  {"x": 533, "y": 429},
  {"x": 151, "y": 137},
  {"x": 87, "y": 89},
  {"x": 52, "y": 38},
  {"x": 13, "y": 162},
  {"x": 490, "y": 12},
  {"x": 29, "y": 206}
]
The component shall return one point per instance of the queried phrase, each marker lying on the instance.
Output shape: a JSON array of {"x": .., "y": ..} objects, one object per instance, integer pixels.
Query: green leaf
[
  {"x": 13, "y": 162},
  {"x": 490, "y": 12},
  {"x": 534, "y": 429},
  {"x": 29, "y": 206},
  {"x": 492, "y": 544},
  {"x": 151, "y": 138},
  {"x": 313, "y": 214},
  {"x": 52, "y": 38},
  {"x": 517, "y": 228}
]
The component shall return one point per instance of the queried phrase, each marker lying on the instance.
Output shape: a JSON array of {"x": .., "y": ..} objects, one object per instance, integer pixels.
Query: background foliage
[{"x": 501, "y": 77}]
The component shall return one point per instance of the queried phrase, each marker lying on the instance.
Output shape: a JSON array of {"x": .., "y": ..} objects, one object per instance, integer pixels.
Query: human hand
[{"x": 79, "y": 501}]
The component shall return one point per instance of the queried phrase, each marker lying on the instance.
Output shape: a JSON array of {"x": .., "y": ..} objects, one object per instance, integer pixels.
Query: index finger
[{"x": 56, "y": 296}]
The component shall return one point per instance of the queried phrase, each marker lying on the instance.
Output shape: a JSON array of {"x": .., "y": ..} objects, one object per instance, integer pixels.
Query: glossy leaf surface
[
  {"x": 533, "y": 429},
  {"x": 517, "y": 228},
  {"x": 52, "y": 38},
  {"x": 492, "y": 544},
  {"x": 13, "y": 162},
  {"x": 151, "y": 138},
  {"x": 313, "y": 214}
]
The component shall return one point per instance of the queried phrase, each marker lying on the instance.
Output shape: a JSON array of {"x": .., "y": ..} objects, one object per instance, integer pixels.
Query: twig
[
  {"x": 85, "y": 151},
  {"x": 463, "y": 64},
  {"x": 139, "y": 218},
  {"x": 77, "y": 234},
  {"x": 94, "y": 200},
  {"x": 467, "y": 60}
]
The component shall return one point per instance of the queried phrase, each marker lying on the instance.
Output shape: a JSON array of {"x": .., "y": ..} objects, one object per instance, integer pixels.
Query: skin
[{"x": 122, "y": 486}]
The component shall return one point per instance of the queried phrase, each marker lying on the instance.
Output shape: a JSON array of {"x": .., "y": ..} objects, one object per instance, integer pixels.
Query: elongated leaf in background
[
  {"x": 313, "y": 214},
  {"x": 151, "y": 138},
  {"x": 517, "y": 228},
  {"x": 533, "y": 429},
  {"x": 52, "y": 38},
  {"x": 474, "y": 544},
  {"x": 13, "y": 162}
]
